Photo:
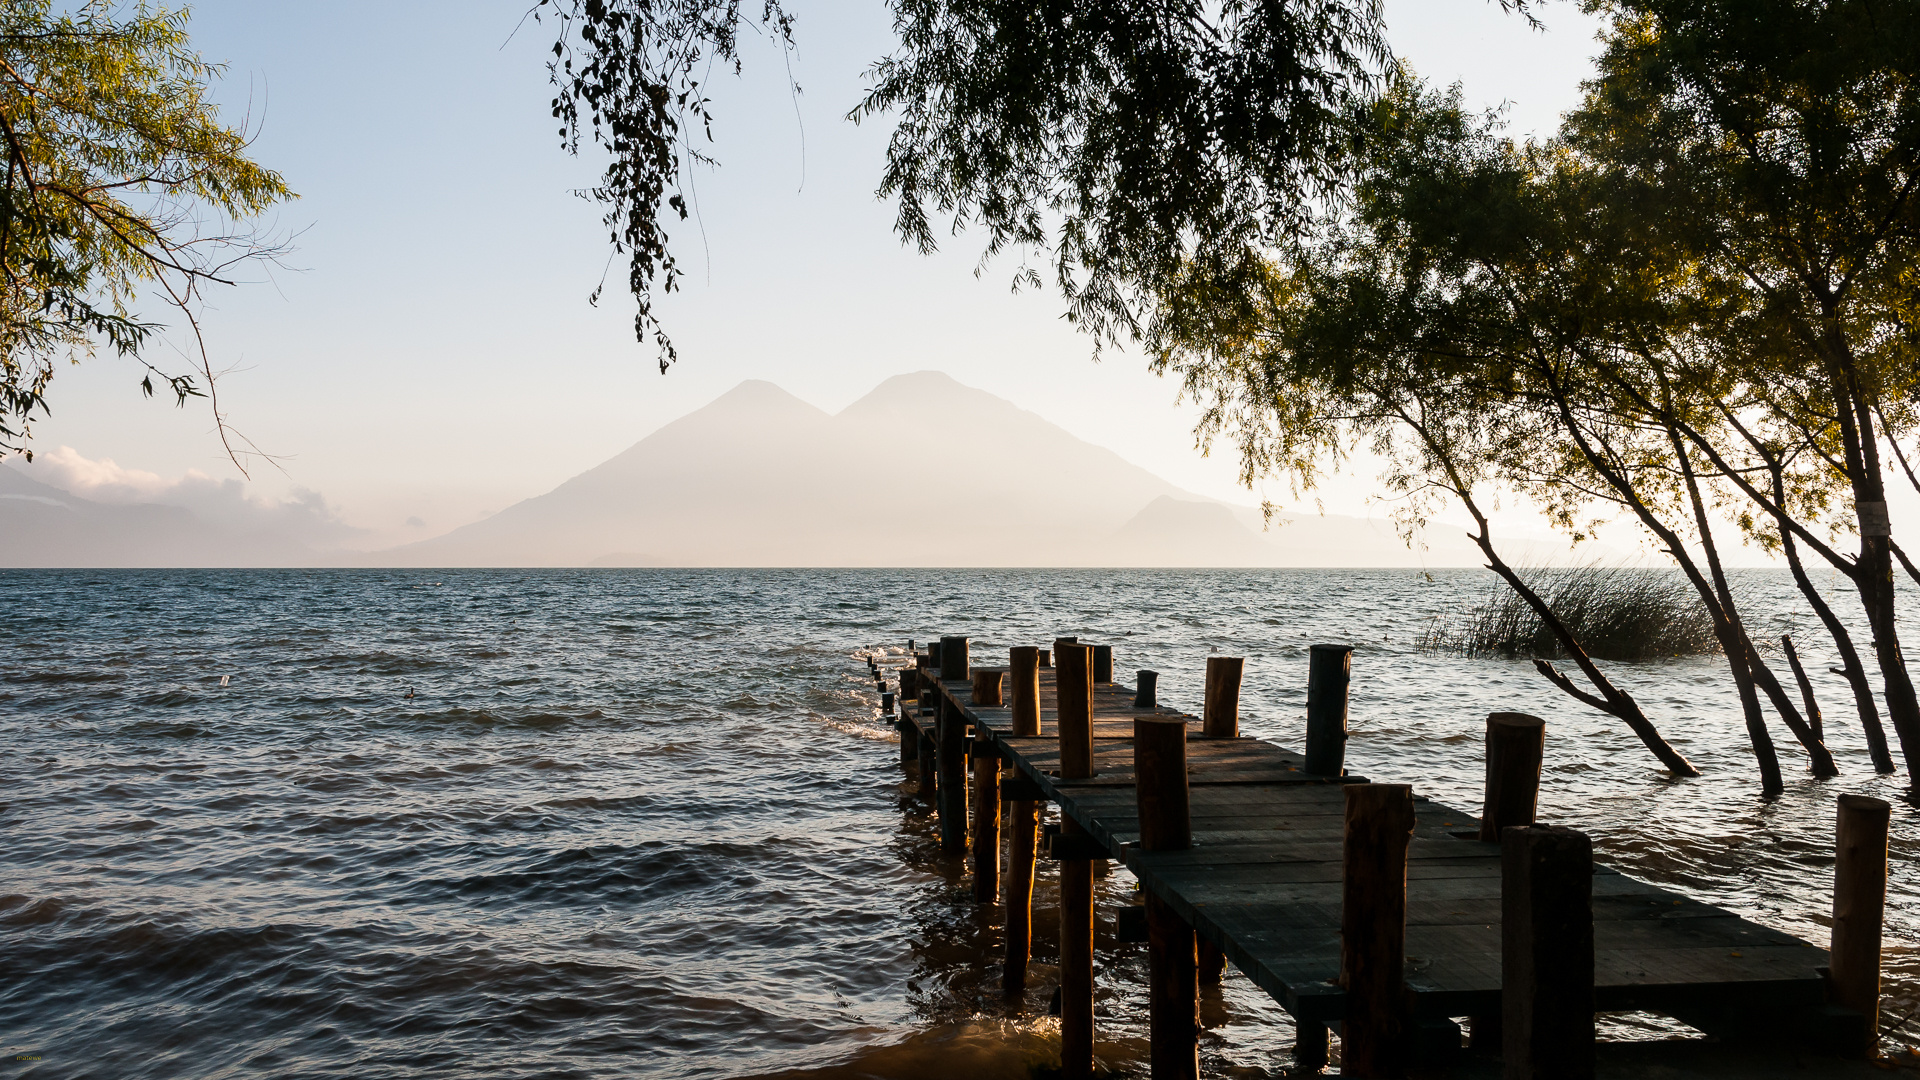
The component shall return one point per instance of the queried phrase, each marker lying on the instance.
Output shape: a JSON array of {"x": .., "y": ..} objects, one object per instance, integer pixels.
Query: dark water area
[{"x": 651, "y": 822}]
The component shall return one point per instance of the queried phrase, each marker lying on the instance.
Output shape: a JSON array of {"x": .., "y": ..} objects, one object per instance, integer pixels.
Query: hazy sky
[{"x": 430, "y": 355}]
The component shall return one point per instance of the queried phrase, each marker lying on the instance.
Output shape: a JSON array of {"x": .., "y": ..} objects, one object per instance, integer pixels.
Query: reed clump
[{"x": 1615, "y": 612}]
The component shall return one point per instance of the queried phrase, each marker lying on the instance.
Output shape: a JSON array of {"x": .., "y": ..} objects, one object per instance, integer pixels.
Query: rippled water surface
[{"x": 644, "y": 822}]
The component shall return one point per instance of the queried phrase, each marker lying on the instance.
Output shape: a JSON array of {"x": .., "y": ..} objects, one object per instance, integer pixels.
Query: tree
[{"x": 121, "y": 182}]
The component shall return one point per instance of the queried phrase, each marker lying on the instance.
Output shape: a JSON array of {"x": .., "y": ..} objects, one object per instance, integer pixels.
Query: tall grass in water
[{"x": 1615, "y": 612}]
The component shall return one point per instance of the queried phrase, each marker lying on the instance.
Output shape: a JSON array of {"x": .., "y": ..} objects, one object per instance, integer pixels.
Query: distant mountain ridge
[{"x": 922, "y": 471}]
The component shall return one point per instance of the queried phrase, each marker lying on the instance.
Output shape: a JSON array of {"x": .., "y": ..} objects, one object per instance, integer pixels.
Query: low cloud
[{"x": 303, "y": 515}]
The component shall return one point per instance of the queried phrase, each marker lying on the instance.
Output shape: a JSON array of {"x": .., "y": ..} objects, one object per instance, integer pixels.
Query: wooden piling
[
  {"x": 986, "y": 822},
  {"x": 1515, "y": 744},
  {"x": 1212, "y": 963},
  {"x": 1222, "y": 710},
  {"x": 929, "y": 768},
  {"x": 1546, "y": 953},
  {"x": 1102, "y": 664},
  {"x": 1076, "y": 959},
  {"x": 953, "y": 658},
  {"x": 1373, "y": 929},
  {"x": 1310, "y": 1049},
  {"x": 1045, "y": 658},
  {"x": 1859, "y": 910},
  {"x": 1166, "y": 824},
  {"x": 986, "y": 687},
  {"x": 1329, "y": 669},
  {"x": 1024, "y": 661},
  {"x": 1146, "y": 689},
  {"x": 1073, "y": 685},
  {"x": 1023, "y": 828},
  {"x": 951, "y": 792}
]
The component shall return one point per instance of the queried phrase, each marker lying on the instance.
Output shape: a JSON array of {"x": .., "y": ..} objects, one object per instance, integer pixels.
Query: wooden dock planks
[{"x": 1262, "y": 882}]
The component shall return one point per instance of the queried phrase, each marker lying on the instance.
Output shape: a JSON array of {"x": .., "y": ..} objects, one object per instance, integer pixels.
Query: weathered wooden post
[
  {"x": 1166, "y": 824},
  {"x": 1023, "y": 825},
  {"x": 1546, "y": 953},
  {"x": 1102, "y": 664},
  {"x": 1516, "y": 743},
  {"x": 1859, "y": 910},
  {"x": 986, "y": 687},
  {"x": 1073, "y": 689},
  {"x": 1074, "y": 709},
  {"x": 1329, "y": 670},
  {"x": 1373, "y": 929},
  {"x": 951, "y": 794},
  {"x": 886, "y": 703},
  {"x": 986, "y": 821},
  {"x": 1310, "y": 1045},
  {"x": 953, "y": 658},
  {"x": 929, "y": 766},
  {"x": 1222, "y": 711},
  {"x": 1025, "y": 677},
  {"x": 1046, "y": 658},
  {"x": 1146, "y": 689}
]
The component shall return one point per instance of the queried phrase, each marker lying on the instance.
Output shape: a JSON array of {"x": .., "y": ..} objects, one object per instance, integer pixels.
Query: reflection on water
[{"x": 598, "y": 823}]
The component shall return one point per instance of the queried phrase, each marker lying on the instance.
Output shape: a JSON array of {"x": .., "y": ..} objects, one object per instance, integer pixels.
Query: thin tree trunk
[{"x": 1806, "y": 686}]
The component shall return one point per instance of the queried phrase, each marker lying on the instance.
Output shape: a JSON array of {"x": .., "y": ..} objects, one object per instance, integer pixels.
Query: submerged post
[
  {"x": 1546, "y": 953},
  {"x": 1222, "y": 710},
  {"x": 1023, "y": 827},
  {"x": 1373, "y": 929},
  {"x": 1146, "y": 689},
  {"x": 1073, "y": 686},
  {"x": 1025, "y": 677},
  {"x": 951, "y": 795},
  {"x": 1516, "y": 743},
  {"x": 1166, "y": 824},
  {"x": 986, "y": 822},
  {"x": 1102, "y": 664},
  {"x": 1329, "y": 670},
  {"x": 1859, "y": 910}
]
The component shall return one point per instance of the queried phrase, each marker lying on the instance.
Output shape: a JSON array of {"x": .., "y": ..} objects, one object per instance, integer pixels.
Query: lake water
[{"x": 649, "y": 822}]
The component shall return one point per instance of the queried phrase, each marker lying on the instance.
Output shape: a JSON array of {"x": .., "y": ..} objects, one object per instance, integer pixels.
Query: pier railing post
[
  {"x": 1859, "y": 910},
  {"x": 986, "y": 687},
  {"x": 1516, "y": 743},
  {"x": 1073, "y": 689},
  {"x": 1023, "y": 828},
  {"x": 1329, "y": 670},
  {"x": 1166, "y": 824},
  {"x": 1375, "y": 1032},
  {"x": 951, "y": 791},
  {"x": 1146, "y": 689},
  {"x": 1546, "y": 953},
  {"x": 986, "y": 822},
  {"x": 1102, "y": 664},
  {"x": 1222, "y": 710},
  {"x": 1024, "y": 660},
  {"x": 953, "y": 658}
]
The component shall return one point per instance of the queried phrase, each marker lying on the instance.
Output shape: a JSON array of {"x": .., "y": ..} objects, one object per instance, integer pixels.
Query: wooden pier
[{"x": 1243, "y": 854}]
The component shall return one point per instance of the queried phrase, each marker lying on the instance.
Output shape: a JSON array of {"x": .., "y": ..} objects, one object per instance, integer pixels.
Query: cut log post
[
  {"x": 953, "y": 659},
  {"x": 1375, "y": 1033},
  {"x": 1546, "y": 954},
  {"x": 1515, "y": 744},
  {"x": 1859, "y": 910},
  {"x": 1025, "y": 677},
  {"x": 1023, "y": 828},
  {"x": 1329, "y": 670},
  {"x": 1073, "y": 685},
  {"x": 909, "y": 684},
  {"x": 1166, "y": 824},
  {"x": 986, "y": 822},
  {"x": 952, "y": 791},
  {"x": 1102, "y": 664},
  {"x": 886, "y": 703},
  {"x": 1212, "y": 964},
  {"x": 1146, "y": 689},
  {"x": 933, "y": 653},
  {"x": 986, "y": 687},
  {"x": 1076, "y": 959},
  {"x": 1046, "y": 658},
  {"x": 1222, "y": 710},
  {"x": 909, "y": 741}
]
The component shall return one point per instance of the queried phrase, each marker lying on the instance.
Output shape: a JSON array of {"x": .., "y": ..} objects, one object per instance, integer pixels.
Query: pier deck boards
[{"x": 1262, "y": 882}]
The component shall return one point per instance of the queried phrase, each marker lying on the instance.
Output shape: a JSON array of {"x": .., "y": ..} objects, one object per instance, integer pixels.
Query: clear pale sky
[{"x": 430, "y": 354}]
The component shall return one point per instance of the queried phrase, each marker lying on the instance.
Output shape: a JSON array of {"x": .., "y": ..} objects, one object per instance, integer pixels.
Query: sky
[{"x": 427, "y": 355}]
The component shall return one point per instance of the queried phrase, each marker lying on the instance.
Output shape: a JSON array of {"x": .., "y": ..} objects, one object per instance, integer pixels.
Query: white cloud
[{"x": 303, "y": 515}]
